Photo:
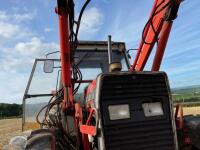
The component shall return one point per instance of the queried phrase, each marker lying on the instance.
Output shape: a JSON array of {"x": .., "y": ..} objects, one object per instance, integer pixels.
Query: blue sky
[{"x": 28, "y": 29}]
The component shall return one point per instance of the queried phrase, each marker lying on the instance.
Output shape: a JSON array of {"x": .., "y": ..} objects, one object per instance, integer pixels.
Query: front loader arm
[
  {"x": 68, "y": 44},
  {"x": 156, "y": 30},
  {"x": 63, "y": 17}
]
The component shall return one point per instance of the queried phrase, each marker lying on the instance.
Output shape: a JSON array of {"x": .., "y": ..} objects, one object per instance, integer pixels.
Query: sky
[{"x": 28, "y": 30}]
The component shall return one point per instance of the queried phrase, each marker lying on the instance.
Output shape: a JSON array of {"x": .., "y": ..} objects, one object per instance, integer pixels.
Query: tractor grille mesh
[{"x": 139, "y": 133}]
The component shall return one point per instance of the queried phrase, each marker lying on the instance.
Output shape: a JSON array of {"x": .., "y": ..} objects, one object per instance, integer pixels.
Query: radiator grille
[{"x": 138, "y": 132}]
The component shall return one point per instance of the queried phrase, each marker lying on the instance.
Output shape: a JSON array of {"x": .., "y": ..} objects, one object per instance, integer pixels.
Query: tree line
[{"x": 10, "y": 110}]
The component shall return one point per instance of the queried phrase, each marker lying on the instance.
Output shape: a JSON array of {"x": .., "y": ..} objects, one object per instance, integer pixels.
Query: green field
[{"x": 187, "y": 94}]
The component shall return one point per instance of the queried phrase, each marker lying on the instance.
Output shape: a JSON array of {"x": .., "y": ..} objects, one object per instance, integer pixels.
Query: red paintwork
[
  {"x": 64, "y": 47},
  {"x": 162, "y": 45},
  {"x": 179, "y": 111},
  {"x": 88, "y": 129},
  {"x": 150, "y": 37},
  {"x": 65, "y": 56},
  {"x": 145, "y": 34},
  {"x": 85, "y": 129},
  {"x": 162, "y": 28},
  {"x": 79, "y": 122},
  {"x": 91, "y": 87}
]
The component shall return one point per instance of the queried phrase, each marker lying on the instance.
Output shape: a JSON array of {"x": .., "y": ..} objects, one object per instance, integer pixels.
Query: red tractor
[{"x": 101, "y": 100}]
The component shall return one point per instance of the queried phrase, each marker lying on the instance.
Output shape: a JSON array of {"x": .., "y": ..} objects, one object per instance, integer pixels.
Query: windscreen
[
  {"x": 39, "y": 92},
  {"x": 91, "y": 64},
  {"x": 95, "y": 60}
]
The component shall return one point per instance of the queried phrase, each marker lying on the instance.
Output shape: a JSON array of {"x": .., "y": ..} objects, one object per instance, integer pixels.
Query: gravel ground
[{"x": 8, "y": 129}]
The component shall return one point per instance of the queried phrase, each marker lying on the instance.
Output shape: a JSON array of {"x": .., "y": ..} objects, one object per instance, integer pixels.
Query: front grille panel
[
  {"x": 143, "y": 136},
  {"x": 138, "y": 132}
]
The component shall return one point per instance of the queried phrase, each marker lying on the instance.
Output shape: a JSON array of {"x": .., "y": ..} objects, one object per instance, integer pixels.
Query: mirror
[{"x": 48, "y": 66}]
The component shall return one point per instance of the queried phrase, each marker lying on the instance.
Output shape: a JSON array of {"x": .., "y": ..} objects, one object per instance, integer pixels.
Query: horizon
[{"x": 173, "y": 89}]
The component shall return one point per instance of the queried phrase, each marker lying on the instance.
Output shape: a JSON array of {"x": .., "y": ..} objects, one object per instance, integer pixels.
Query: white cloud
[
  {"x": 17, "y": 17},
  {"x": 34, "y": 47},
  {"x": 19, "y": 46},
  {"x": 21, "y": 56},
  {"x": 30, "y": 47},
  {"x": 91, "y": 23},
  {"x": 10, "y": 27},
  {"x": 8, "y": 30},
  {"x": 12, "y": 87},
  {"x": 10, "y": 64},
  {"x": 16, "y": 65},
  {"x": 25, "y": 16}
]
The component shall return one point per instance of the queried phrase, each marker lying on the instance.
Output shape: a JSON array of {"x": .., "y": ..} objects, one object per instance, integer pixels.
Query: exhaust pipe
[
  {"x": 109, "y": 49},
  {"x": 113, "y": 66}
]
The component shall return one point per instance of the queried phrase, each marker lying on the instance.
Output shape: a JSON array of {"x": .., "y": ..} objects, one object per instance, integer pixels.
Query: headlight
[
  {"x": 152, "y": 109},
  {"x": 117, "y": 112}
]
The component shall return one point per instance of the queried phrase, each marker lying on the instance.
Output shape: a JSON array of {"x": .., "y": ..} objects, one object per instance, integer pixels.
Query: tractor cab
[
  {"x": 44, "y": 81},
  {"x": 92, "y": 58}
]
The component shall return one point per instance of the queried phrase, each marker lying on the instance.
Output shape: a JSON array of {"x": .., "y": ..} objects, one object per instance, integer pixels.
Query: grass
[{"x": 186, "y": 95}]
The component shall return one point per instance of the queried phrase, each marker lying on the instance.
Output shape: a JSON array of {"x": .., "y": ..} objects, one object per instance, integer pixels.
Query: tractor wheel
[{"x": 41, "y": 139}]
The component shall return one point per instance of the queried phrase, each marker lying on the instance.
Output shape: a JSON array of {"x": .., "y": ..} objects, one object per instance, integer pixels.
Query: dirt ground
[
  {"x": 8, "y": 129},
  {"x": 191, "y": 110}
]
